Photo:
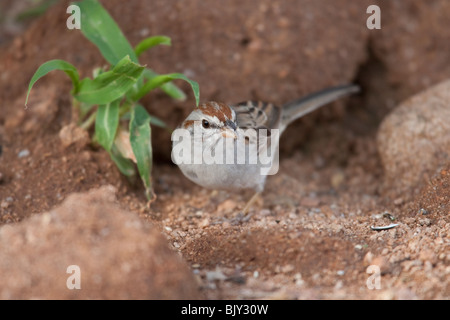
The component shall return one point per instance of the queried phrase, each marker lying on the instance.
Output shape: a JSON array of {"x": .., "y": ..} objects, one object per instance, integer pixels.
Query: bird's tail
[{"x": 298, "y": 108}]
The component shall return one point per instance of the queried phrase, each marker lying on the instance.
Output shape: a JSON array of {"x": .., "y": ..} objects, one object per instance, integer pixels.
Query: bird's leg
[
  {"x": 242, "y": 216},
  {"x": 250, "y": 203}
]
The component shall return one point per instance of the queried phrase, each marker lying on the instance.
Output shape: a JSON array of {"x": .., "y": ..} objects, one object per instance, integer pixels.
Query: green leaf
[
  {"x": 106, "y": 123},
  {"x": 150, "y": 43},
  {"x": 100, "y": 28},
  {"x": 140, "y": 140},
  {"x": 158, "y": 122},
  {"x": 160, "y": 80},
  {"x": 125, "y": 166},
  {"x": 37, "y": 9},
  {"x": 110, "y": 85},
  {"x": 84, "y": 108},
  {"x": 51, "y": 65},
  {"x": 169, "y": 88}
]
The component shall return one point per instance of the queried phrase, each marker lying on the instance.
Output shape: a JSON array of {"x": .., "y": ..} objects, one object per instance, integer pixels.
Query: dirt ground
[{"x": 309, "y": 235}]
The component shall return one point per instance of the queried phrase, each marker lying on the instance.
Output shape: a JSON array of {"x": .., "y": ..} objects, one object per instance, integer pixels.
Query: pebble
[
  {"x": 368, "y": 258},
  {"x": 5, "y": 204},
  {"x": 215, "y": 275},
  {"x": 227, "y": 205},
  {"x": 382, "y": 263},
  {"x": 298, "y": 279},
  {"x": 204, "y": 223},
  {"x": 73, "y": 134},
  {"x": 425, "y": 222},
  {"x": 23, "y": 153},
  {"x": 284, "y": 269},
  {"x": 199, "y": 213}
]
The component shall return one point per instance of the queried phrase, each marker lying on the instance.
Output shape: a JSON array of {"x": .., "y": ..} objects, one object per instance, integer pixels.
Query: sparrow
[{"x": 235, "y": 146}]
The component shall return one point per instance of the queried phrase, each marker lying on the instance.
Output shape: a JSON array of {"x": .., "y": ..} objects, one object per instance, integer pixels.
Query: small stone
[
  {"x": 381, "y": 262},
  {"x": 85, "y": 156},
  {"x": 425, "y": 222},
  {"x": 423, "y": 211},
  {"x": 23, "y": 153},
  {"x": 298, "y": 280},
  {"x": 5, "y": 204},
  {"x": 287, "y": 268},
  {"x": 204, "y": 223},
  {"x": 215, "y": 275},
  {"x": 73, "y": 134},
  {"x": 368, "y": 259},
  {"x": 226, "y": 225},
  {"x": 199, "y": 213},
  {"x": 292, "y": 215},
  {"x": 227, "y": 206}
]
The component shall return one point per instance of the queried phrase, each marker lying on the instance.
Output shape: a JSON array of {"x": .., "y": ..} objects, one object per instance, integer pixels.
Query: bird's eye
[{"x": 205, "y": 124}]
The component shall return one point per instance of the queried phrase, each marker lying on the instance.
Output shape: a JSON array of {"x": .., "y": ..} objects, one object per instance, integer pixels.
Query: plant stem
[
  {"x": 89, "y": 121},
  {"x": 125, "y": 108},
  {"x": 76, "y": 111}
]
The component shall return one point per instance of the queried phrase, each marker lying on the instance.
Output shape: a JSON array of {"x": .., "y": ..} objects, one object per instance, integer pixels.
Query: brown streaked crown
[{"x": 216, "y": 109}]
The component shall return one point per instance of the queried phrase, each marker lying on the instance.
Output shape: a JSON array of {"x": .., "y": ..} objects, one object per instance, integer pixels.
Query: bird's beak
[{"x": 227, "y": 133}]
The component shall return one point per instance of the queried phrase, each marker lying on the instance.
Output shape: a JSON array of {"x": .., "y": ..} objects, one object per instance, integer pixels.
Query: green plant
[{"x": 113, "y": 95}]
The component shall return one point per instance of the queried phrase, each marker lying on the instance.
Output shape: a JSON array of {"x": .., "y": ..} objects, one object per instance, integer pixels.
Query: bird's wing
[
  {"x": 252, "y": 114},
  {"x": 258, "y": 115}
]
